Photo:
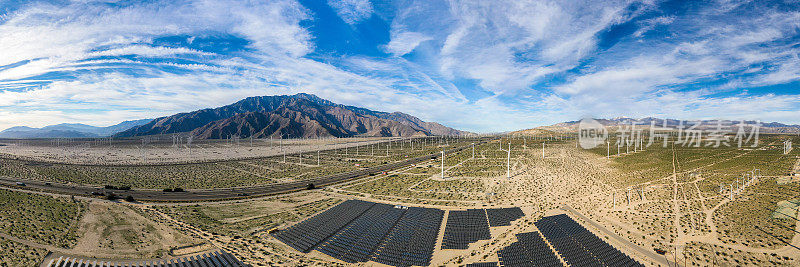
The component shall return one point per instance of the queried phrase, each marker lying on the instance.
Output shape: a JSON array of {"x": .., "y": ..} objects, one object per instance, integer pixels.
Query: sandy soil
[
  {"x": 125, "y": 152},
  {"x": 115, "y": 231}
]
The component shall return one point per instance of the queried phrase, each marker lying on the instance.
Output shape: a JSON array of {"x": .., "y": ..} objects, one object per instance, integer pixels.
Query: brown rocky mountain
[{"x": 289, "y": 116}]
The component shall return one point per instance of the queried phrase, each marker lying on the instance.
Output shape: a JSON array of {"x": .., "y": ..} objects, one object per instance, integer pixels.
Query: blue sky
[{"x": 476, "y": 65}]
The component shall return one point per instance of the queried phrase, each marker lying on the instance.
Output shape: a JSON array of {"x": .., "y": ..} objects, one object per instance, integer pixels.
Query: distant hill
[
  {"x": 289, "y": 116},
  {"x": 572, "y": 126},
  {"x": 69, "y": 130}
]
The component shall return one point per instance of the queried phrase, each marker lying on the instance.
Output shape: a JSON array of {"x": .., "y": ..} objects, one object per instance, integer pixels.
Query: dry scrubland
[
  {"x": 679, "y": 207},
  {"x": 674, "y": 202},
  {"x": 47, "y": 221},
  {"x": 162, "y": 149},
  {"x": 233, "y": 173},
  {"x": 32, "y": 224},
  {"x": 18, "y": 254}
]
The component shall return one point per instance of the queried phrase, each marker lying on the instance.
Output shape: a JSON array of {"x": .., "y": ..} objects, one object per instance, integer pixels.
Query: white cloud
[
  {"x": 650, "y": 24},
  {"x": 352, "y": 11},
  {"x": 508, "y": 45},
  {"x": 404, "y": 42},
  {"x": 61, "y": 34}
]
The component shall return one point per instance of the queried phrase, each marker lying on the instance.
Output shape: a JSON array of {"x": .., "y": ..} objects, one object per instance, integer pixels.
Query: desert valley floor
[{"x": 658, "y": 205}]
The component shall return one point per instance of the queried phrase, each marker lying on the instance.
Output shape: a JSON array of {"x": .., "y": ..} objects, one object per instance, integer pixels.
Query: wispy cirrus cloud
[{"x": 352, "y": 11}]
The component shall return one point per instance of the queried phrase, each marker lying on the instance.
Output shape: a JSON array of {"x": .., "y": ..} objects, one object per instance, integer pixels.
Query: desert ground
[{"x": 704, "y": 206}]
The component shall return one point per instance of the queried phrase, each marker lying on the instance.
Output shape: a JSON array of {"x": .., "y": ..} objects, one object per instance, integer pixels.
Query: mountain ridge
[
  {"x": 69, "y": 130},
  {"x": 289, "y": 116},
  {"x": 572, "y": 126}
]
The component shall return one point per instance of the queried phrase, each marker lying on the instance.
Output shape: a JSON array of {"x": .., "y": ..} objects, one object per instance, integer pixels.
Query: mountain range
[
  {"x": 69, "y": 130},
  {"x": 572, "y": 126},
  {"x": 289, "y": 116}
]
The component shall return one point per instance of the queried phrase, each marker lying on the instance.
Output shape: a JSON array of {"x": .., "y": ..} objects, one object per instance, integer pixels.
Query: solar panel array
[
  {"x": 211, "y": 259},
  {"x": 529, "y": 250},
  {"x": 359, "y": 231},
  {"x": 578, "y": 246},
  {"x": 357, "y": 241},
  {"x": 412, "y": 240},
  {"x": 307, "y": 234},
  {"x": 504, "y": 216},
  {"x": 465, "y": 227}
]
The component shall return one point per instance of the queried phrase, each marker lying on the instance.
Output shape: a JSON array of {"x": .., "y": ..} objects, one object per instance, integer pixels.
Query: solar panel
[
  {"x": 504, "y": 216},
  {"x": 307, "y": 234},
  {"x": 359, "y": 231},
  {"x": 357, "y": 241},
  {"x": 579, "y": 246},
  {"x": 529, "y": 250},
  {"x": 412, "y": 240},
  {"x": 212, "y": 259},
  {"x": 464, "y": 228}
]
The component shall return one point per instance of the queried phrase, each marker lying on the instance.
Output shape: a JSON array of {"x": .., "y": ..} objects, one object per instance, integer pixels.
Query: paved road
[
  {"x": 220, "y": 193},
  {"x": 650, "y": 254}
]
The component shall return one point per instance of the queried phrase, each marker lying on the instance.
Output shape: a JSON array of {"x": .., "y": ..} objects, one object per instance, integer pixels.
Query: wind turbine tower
[
  {"x": 442, "y": 163},
  {"x": 542, "y": 150},
  {"x": 508, "y": 161}
]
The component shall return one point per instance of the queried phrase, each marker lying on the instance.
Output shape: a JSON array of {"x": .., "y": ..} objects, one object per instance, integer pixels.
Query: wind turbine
[
  {"x": 508, "y": 160},
  {"x": 189, "y": 143}
]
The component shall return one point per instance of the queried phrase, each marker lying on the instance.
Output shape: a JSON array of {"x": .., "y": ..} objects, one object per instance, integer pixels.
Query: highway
[{"x": 156, "y": 195}]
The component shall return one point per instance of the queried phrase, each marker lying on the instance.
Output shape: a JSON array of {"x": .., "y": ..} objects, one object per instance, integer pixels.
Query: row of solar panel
[
  {"x": 211, "y": 259},
  {"x": 309, "y": 233},
  {"x": 578, "y": 246},
  {"x": 357, "y": 241},
  {"x": 359, "y": 231},
  {"x": 529, "y": 250},
  {"x": 465, "y": 227},
  {"x": 412, "y": 240},
  {"x": 503, "y": 217}
]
